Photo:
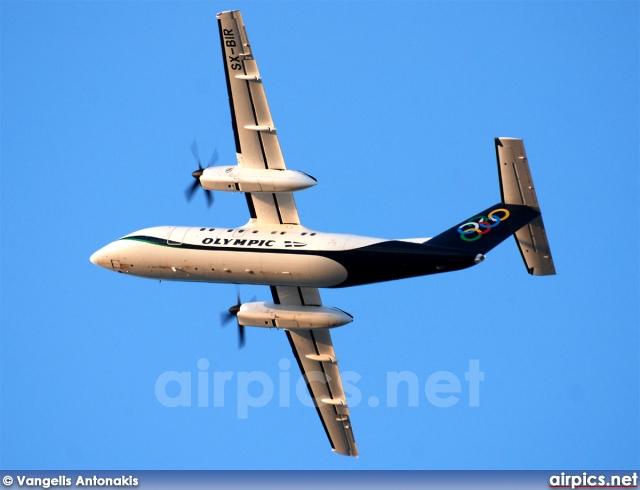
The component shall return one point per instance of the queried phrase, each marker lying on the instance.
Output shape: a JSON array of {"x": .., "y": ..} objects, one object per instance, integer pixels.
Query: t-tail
[{"x": 518, "y": 214}]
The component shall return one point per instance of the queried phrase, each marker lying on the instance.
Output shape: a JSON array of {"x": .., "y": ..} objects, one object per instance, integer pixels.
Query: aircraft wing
[
  {"x": 314, "y": 352},
  {"x": 257, "y": 144}
]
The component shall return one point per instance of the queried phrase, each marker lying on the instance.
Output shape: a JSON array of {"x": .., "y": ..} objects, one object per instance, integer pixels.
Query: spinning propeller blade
[
  {"x": 227, "y": 316},
  {"x": 191, "y": 190}
]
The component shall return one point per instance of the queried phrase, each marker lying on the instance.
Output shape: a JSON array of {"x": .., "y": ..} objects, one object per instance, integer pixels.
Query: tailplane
[
  {"x": 518, "y": 214},
  {"x": 516, "y": 187}
]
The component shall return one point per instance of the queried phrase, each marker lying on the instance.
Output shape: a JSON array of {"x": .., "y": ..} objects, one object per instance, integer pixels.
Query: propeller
[
  {"x": 190, "y": 191},
  {"x": 228, "y": 316}
]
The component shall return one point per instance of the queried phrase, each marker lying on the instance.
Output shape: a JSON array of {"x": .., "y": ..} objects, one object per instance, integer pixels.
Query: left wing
[
  {"x": 257, "y": 144},
  {"x": 317, "y": 360}
]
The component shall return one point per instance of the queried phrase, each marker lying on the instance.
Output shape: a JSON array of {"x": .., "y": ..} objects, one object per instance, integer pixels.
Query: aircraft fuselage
[{"x": 285, "y": 255}]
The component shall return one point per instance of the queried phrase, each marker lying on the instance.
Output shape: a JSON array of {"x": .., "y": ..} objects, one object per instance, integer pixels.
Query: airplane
[{"x": 274, "y": 249}]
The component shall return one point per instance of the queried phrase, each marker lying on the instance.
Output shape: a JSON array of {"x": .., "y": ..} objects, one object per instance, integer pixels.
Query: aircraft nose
[
  {"x": 111, "y": 254},
  {"x": 103, "y": 256},
  {"x": 98, "y": 258}
]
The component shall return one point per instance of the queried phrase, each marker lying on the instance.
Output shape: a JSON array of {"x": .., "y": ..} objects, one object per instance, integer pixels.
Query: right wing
[
  {"x": 317, "y": 360},
  {"x": 257, "y": 144}
]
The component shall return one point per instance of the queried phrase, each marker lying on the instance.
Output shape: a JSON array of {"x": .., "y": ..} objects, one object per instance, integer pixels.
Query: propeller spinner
[
  {"x": 190, "y": 191},
  {"x": 227, "y": 316}
]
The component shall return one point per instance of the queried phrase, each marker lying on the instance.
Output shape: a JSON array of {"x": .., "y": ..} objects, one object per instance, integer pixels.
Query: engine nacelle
[
  {"x": 238, "y": 179},
  {"x": 269, "y": 315}
]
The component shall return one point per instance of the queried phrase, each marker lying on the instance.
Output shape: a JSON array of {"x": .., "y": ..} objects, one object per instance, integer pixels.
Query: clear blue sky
[{"x": 393, "y": 107}]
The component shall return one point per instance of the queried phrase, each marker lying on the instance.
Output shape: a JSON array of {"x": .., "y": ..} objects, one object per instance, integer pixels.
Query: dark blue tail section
[{"x": 485, "y": 230}]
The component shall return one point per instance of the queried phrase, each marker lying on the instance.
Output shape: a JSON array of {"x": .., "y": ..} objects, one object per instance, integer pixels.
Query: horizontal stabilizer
[{"x": 516, "y": 187}]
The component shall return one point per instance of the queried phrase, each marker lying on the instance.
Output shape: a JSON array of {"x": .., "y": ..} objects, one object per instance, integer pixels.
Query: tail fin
[{"x": 487, "y": 229}]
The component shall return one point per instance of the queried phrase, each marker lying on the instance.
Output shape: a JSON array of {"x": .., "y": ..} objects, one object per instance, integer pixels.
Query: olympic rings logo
[{"x": 481, "y": 225}]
